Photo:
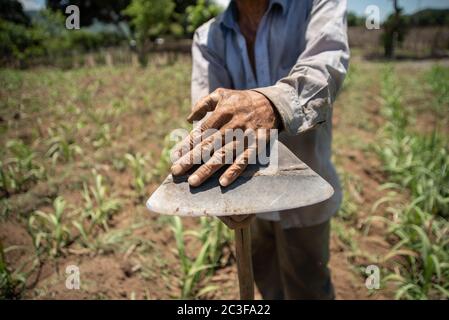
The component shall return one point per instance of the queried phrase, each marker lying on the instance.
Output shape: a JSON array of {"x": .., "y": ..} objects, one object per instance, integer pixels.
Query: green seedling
[
  {"x": 62, "y": 145},
  {"x": 99, "y": 206},
  {"x": 20, "y": 169},
  {"x": 50, "y": 229},
  {"x": 417, "y": 164}
]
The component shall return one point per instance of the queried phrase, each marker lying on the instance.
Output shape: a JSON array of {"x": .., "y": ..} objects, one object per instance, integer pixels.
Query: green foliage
[
  {"x": 164, "y": 163},
  {"x": 354, "y": 20},
  {"x": 348, "y": 208},
  {"x": 213, "y": 230},
  {"x": 213, "y": 236},
  {"x": 86, "y": 41},
  {"x": 419, "y": 164},
  {"x": 12, "y": 10},
  {"x": 416, "y": 162},
  {"x": 19, "y": 169},
  {"x": 19, "y": 42},
  {"x": 48, "y": 37},
  {"x": 99, "y": 206},
  {"x": 25, "y": 44},
  {"x": 93, "y": 10},
  {"x": 11, "y": 283},
  {"x": 423, "y": 242},
  {"x": 438, "y": 78},
  {"x": 430, "y": 17},
  {"x": 50, "y": 230},
  {"x": 200, "y": 13},
  {"x": 150, "y": 18},
  {"x": 103, "y": 136},
  {"x": 395, "y": 29},
  {"x": 61, "y": 144},
  {"x": 137, "y": 163},
  {"x": 44, "y": 37},
  {"x": 93, "y": 110}
]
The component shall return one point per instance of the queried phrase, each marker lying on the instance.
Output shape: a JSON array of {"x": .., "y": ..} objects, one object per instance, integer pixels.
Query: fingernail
[
  {"x": 224, "y": 181},
  {"x": 194, "y": 180},
  {"x": 176, "y": 169}
]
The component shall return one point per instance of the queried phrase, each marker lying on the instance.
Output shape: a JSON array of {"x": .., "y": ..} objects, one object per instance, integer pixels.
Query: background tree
[
  {"x": 179, "y": 16},
  {"x": 199, "y": 13},
  {"x": 354, "y": 20},
  {"x": 149, "y": 19},
  {"x": 394, "y": 30},
  {"x": 430, "y": 17},
  {"x": 106, "y": 11},
  {"x": 12, "y": 10}
]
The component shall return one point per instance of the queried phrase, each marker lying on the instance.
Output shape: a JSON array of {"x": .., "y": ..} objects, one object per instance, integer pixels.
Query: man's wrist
[
  {"x": 278, "y": 119},
  {"x": 278, "y": 123}
]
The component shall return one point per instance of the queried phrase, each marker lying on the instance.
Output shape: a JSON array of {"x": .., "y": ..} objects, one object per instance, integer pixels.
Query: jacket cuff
[
  {"x": 282, "y": 97},
  {"x": 297, "y": 117}
]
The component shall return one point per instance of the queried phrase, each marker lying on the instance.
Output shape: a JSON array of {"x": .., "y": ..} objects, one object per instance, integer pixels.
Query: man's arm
[
  {"x": 304, "y": 97},
  {"x": 208, "y": 74},
  {"x": 231, "y": 109}
]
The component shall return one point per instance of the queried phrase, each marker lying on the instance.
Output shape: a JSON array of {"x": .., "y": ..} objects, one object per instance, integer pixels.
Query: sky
[
  {"x": 385, "y": 6},
  {"x": 357, "y": 6},
  {"x": 32, "y": 4}
]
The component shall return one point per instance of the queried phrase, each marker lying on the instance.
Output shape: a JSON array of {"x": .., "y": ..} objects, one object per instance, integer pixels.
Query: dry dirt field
[{"x": 84, "y": 148}]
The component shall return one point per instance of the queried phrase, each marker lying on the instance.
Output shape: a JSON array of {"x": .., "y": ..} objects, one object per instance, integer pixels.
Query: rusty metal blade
[{"x": 287, "y": 184}]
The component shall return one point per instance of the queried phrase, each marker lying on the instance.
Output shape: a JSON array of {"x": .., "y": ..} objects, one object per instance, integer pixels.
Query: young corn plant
[
  {"x": 419, "y": 164},
  {"x": 348, "y": 207},
  {"x": 162, "y": 166},
  {"x": 12, "y": 283},
  {"x": 438, "y": 78},
  {"x": 61, "y": 144},
  {"x": 50, "y": 230},
  {"x": 137, "y": 163},
  {"x": 423, "y": 243},
  {"x": 213, "y": 230},
  {"x": 103, "y": 136},
  {"x": 99, "y": 206},
  {"x": 20, "y": 169},
  {"x": 5, "y": 209},
  {"x": 192, "y": 269},
  {"x": 213, "y": 237},
  {"x": 103, "y": 242}
]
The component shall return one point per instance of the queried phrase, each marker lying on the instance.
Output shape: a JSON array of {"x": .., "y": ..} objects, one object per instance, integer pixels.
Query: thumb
[{"x": 205, "y": 105}]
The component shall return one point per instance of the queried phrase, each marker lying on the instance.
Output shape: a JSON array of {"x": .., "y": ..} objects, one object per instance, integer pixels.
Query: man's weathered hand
[{"x": 231, "y": 109}]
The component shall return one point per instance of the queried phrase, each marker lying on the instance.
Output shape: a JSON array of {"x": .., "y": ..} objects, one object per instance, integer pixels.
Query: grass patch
[{"x": 419, "y": 164}]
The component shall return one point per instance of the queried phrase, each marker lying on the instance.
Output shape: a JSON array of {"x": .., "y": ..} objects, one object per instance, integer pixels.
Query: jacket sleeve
[
  {"x": 304, "y": 97},
  {"x": 208, "y": 69}
]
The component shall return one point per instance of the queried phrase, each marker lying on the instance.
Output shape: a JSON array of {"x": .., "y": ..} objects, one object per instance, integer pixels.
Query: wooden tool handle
[{"x": 244, "y": 263}]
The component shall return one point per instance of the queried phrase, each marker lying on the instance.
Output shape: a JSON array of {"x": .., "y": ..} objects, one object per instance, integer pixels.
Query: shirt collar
[{"x": 229, "y": 17}]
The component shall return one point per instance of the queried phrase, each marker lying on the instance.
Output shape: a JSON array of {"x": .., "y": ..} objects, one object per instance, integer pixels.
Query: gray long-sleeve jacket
[{"x": 301, "y": 59}]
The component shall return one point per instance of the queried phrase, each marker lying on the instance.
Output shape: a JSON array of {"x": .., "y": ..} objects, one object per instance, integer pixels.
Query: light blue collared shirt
[{"x": 301, "y": 57}]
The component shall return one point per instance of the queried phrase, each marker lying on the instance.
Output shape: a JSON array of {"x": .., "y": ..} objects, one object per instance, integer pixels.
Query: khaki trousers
[{"x": 291, "y": 263}]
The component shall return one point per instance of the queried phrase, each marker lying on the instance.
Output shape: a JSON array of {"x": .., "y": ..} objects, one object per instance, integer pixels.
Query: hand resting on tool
[{"x": 246, "y": 110}]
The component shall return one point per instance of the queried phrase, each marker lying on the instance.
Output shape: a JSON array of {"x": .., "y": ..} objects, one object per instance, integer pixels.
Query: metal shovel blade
[{"x": 283, "y": 184}]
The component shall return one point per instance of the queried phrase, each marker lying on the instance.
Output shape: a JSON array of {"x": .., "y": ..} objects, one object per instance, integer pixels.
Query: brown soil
[{"x": 143, "y": 264}]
